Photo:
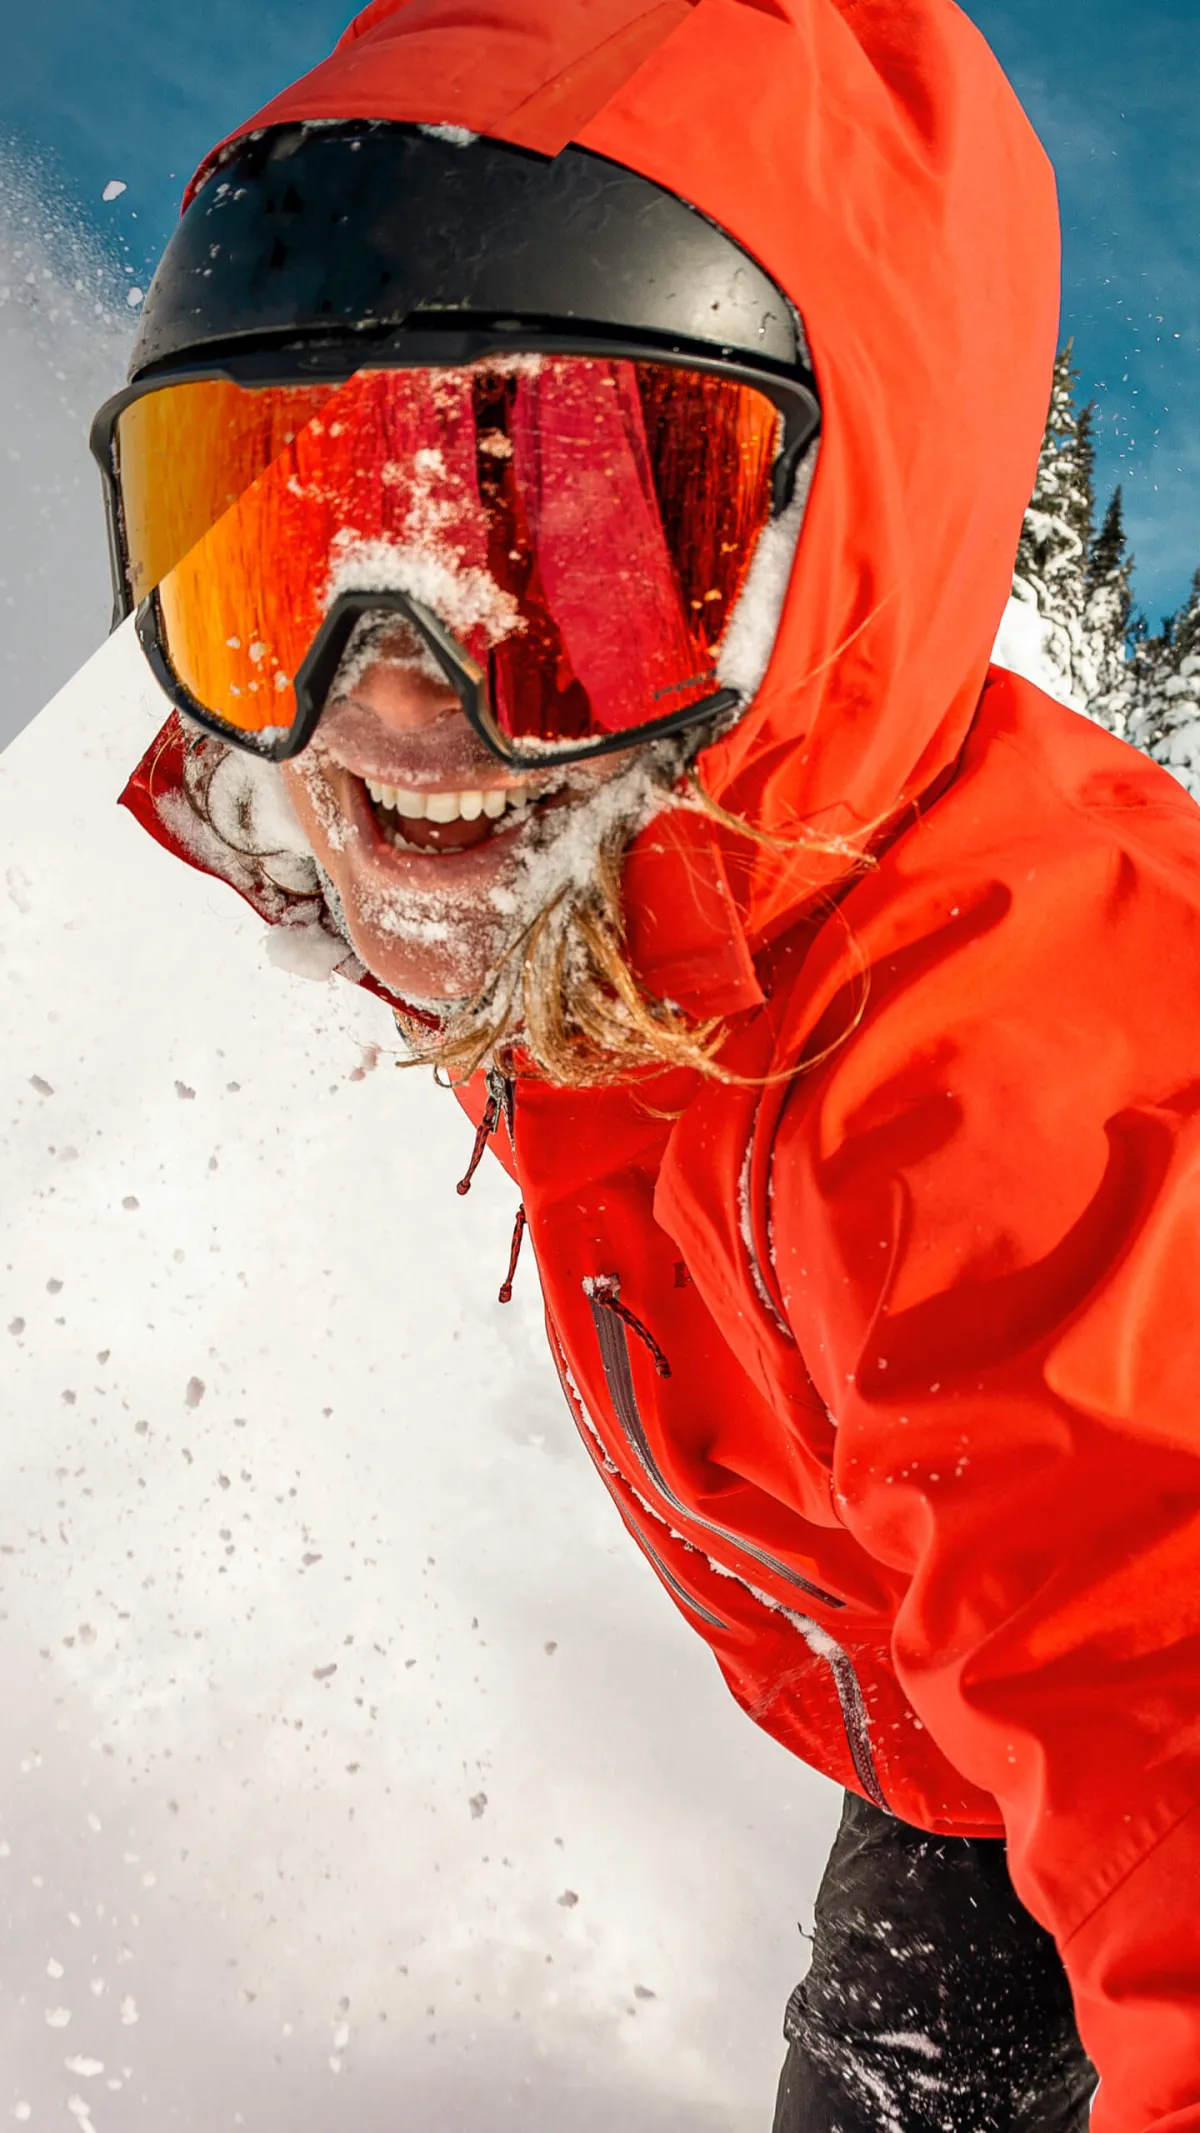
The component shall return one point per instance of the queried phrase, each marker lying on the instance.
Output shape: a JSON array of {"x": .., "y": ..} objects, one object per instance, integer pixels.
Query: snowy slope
[{"x": 356, "y": 1770}]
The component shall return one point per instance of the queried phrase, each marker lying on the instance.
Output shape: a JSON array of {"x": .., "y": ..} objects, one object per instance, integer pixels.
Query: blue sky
[{"x": 138, "y": 91}]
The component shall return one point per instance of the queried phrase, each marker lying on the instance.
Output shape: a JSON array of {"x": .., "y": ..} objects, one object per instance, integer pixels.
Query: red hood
[{"x": 872, "y": 156}]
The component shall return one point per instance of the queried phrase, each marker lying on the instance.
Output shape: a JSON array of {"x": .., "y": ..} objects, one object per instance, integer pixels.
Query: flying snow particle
[
  {"x": 114, "y": 189},
  {"x": 18, "y": 888}
]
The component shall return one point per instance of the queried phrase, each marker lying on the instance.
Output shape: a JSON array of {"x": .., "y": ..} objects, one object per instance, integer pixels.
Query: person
[{"x": 568, "y": 488}]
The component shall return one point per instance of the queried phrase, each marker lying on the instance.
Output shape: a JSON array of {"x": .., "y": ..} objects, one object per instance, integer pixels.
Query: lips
[{"x": 396, "y": 846}]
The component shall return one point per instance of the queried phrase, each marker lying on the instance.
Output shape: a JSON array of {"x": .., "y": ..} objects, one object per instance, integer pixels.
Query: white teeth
[{"x": 446, "y": 806}]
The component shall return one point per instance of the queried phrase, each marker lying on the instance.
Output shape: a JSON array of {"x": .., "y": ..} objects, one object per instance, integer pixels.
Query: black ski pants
[{"x": 935, "y": 2003}]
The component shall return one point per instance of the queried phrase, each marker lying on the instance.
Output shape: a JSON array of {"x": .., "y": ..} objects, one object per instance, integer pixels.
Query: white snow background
[
  {"x": 354, "y": 1767},
  {"x": 353, "y": 1762}
]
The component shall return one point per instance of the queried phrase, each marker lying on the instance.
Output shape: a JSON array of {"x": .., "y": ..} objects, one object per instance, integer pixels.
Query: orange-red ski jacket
[{"x": 925, "y": 1470}]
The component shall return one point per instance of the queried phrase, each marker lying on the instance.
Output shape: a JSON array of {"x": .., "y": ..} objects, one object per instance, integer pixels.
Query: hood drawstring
[
  {"x": 483, "y": 1133},
  {"x": 602, "y": 1289},
  {"x": 499, "y": 1100},
  {"x": 519, "y": 1228}
]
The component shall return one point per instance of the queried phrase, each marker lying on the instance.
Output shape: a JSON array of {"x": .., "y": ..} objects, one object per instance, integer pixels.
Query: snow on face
[
  {"x": 437, "y": 927},
  {"x": 446, "y": 921},
  {"x": 462, "y": 598},
  {"x": 557, "y": 855}
]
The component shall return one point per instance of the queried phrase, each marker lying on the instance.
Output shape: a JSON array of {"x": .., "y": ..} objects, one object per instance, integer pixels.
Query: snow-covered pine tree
[
  {"x": 1056, "y": 538},
  {"x": 1081, "y": 502},
  {"x": 1107, "y": 678},
  {"x": 1166, "y": 723},
  {"x": 1076, "y": 580}
]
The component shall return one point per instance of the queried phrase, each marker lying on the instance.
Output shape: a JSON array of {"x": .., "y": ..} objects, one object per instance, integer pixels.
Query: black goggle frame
[{"x": 432, "y": 343}]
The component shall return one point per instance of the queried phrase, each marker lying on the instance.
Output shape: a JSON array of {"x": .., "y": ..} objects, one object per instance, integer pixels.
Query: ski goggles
[{"x": 565, "y": 537}]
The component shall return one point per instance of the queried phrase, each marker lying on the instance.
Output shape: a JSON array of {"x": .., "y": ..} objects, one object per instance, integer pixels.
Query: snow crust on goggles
[{"x": 567, "y": 535}]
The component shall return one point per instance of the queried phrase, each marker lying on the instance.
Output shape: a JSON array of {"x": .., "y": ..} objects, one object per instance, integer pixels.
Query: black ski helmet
[
  {"x": 311, "y": 251},
  {"x": 329, "y": 229}
]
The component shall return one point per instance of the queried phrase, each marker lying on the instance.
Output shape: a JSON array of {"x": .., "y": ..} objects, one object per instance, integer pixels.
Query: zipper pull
[
  {"x": 519, "y": 1228},
  {"x": 483, "y": 1133},
  {"x": 502, "y": 1088},
  {"x": 499, "y": 1104}
]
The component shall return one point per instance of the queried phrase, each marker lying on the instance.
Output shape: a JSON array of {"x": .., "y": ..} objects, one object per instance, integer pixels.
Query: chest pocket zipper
[
  {"x": 602, "y": 1292},
  {"x": 685, "y": 1599}
]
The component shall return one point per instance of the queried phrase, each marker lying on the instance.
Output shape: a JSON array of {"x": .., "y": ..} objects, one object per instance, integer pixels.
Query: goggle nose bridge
[{"x": 318, "y": 671}]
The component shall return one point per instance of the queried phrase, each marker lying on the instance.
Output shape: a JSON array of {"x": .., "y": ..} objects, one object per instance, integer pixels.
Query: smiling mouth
[{"x": 448, "y": 821}]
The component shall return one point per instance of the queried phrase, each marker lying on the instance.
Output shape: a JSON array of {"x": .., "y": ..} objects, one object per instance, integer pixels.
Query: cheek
[{"x": 296, "y": 782}]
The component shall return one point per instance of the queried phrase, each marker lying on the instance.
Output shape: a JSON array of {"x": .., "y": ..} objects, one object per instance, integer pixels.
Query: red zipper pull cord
[
  {"x": 609, "y": 1301},
  {"x": 484, "y": 1131},
  {"x": 519, "y": 1228}
]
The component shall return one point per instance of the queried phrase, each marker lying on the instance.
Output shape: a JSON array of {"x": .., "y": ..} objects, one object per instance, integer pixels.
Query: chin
[
  {"x": 435, "y": 961},
  {"x": 429, "y": 940}
]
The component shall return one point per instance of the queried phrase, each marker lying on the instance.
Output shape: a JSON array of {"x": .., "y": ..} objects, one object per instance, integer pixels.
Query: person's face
[{"x": 420, "y": 867}]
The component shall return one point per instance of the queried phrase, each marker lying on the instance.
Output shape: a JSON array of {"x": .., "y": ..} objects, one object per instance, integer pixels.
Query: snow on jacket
[{"x": 924, "y": 1472}]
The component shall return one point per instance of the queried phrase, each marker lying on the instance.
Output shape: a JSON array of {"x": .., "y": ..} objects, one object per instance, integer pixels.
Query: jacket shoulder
[
  {"x": 1079, "y": 768},
  {"x": 998, "y": 1041}
]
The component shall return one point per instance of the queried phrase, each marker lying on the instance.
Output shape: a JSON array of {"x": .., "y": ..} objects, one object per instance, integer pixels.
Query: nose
[{"x": 403, "y": 689}]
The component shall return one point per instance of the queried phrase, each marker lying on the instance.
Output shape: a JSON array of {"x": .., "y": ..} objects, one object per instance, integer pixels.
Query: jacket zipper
[
  {"x": 758, "y": 1272},
  {"x": 663, "y": 1570},
  {"x": 614, "y": 1354},
  {"x": 605, "y": 1468},
  {"x": 502, "y": 1090},
  {"x": 613, "y": 1340}
]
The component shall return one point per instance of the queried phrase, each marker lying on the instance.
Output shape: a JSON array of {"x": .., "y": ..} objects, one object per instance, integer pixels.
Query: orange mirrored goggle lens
[
  {"x": 186, "y": 455},
  {"x": 583, "y": 527}
]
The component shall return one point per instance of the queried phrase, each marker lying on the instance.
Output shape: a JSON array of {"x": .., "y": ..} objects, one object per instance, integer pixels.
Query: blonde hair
[
  {"x": 565, "y": 994},
  {"x": 573, "y": 1003}
]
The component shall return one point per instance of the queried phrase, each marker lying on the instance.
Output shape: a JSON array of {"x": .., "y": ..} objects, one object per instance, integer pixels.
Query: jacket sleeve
[{"x": 990, "y": 1257}]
